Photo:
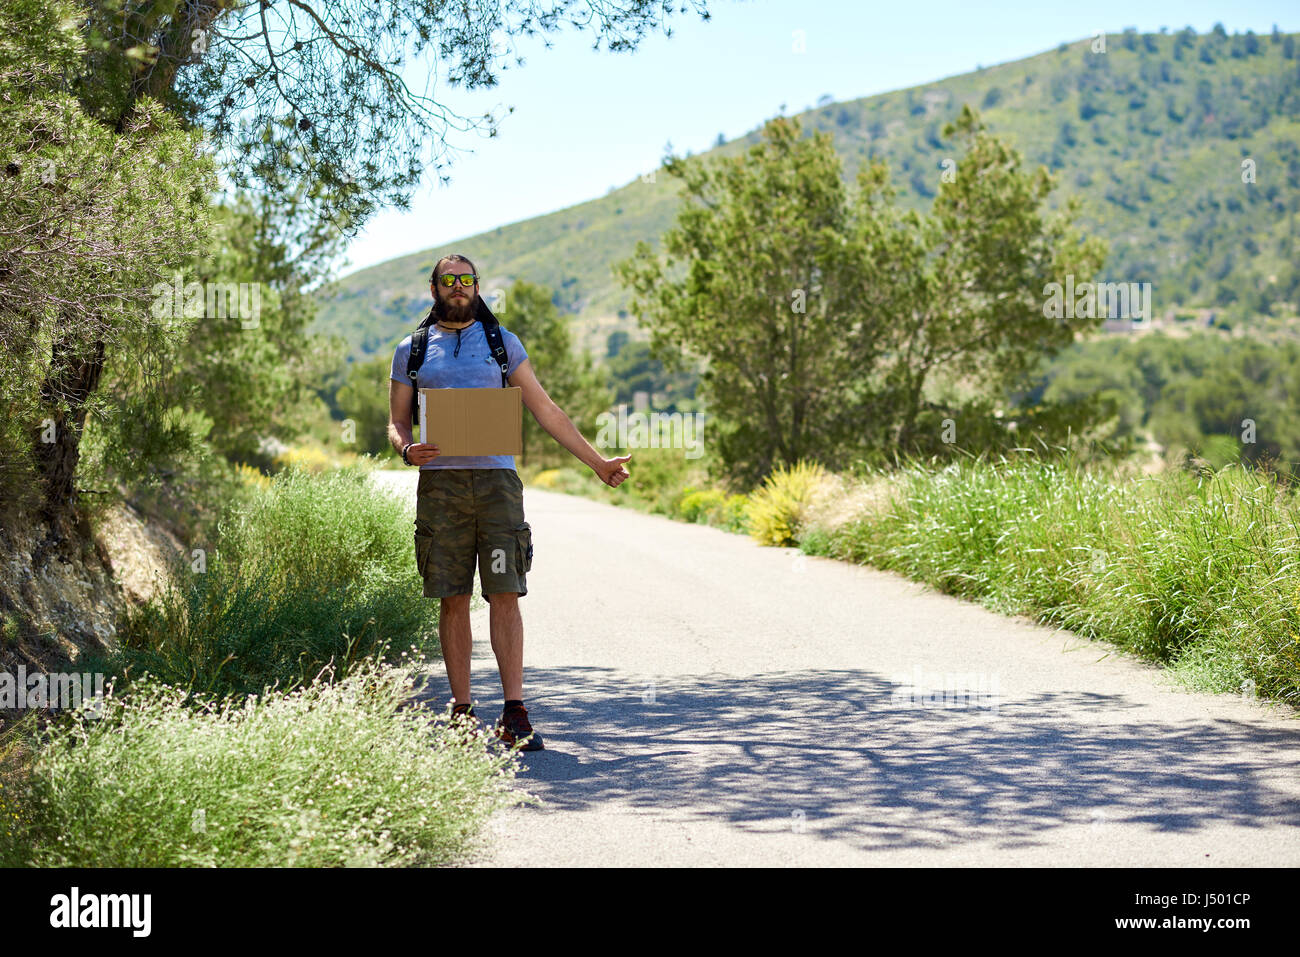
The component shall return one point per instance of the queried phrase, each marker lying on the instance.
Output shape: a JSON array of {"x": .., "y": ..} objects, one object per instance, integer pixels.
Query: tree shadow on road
[{"x": 840, "y": 754}]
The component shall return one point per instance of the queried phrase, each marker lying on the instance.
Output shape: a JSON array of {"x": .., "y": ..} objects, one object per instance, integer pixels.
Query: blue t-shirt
[{"x": 469, "y": 367}]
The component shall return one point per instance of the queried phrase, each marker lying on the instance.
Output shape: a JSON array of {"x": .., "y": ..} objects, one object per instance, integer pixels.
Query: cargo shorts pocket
[
  {"x": 423, "y": 546},
  {"x": 524, "y": 547}
]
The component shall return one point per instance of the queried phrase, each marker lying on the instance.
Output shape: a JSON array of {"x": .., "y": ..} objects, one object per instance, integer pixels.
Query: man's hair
[{"x": 435, "y": 313}]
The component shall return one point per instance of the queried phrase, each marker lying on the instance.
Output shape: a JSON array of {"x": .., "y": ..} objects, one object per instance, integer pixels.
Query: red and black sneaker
[
  {"x": 513, "y": 727},
  {"x": 464, "y": 714}
]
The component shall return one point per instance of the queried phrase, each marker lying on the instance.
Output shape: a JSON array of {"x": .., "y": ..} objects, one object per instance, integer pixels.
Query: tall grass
[
  {"x": 1197, "y": 571},
  {"x": 313, "y": 570},
  {"x": 336, "y": 773}
]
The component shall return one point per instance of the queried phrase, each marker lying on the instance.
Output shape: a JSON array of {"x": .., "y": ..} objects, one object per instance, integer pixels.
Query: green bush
[
  {"x": 735, "y": 516},
  {"x": 659, "y": 478},
  {"x": 815, "y": 541},
  {"x": 336, "y": 774},
  {"x": 704, "y": 505},
  {"x": 316, "y": 569},
  {"x": 714, "y": 507}
]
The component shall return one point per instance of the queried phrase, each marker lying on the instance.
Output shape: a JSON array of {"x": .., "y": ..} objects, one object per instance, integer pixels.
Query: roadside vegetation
[
  {"x": 259, "y": 713},
  {"x": 1191, "y": 568},
  {"x": 338, "y": 773}
]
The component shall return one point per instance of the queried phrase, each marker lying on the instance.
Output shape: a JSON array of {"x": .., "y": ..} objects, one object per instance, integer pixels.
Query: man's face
[{"x": 457, "y": 300}]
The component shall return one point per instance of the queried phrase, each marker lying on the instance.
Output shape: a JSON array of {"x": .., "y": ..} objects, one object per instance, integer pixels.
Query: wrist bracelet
[{"x": 404, "y": 450}]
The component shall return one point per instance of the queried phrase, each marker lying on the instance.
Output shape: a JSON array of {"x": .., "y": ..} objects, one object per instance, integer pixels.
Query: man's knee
[
  {"x": 455, "y": 604},
  {"x": 503, "y": 598}
]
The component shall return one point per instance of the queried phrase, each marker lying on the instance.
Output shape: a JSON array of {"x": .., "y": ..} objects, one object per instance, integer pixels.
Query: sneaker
[
  {"x": 513, "y": 727},
  {"x": 464, "y": 714}
]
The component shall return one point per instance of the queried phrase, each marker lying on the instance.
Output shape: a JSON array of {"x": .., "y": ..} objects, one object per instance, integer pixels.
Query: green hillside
[{"x": 1152, "y": 133}]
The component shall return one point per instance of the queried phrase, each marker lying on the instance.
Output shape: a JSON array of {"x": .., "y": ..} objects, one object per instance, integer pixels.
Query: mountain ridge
[{"x": 1153, "y": 133}]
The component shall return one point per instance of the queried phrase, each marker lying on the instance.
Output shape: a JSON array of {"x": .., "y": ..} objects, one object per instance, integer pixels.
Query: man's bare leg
[
  {"x": 507, "y": 627},
  {"x": 457, "y": 644}
]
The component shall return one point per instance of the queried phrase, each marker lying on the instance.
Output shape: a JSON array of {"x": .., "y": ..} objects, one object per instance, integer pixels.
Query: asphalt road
[{"x": 707, "y": 701}]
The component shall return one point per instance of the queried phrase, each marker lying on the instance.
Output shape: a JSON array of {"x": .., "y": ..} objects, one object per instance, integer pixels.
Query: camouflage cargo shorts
[{"x": 468, "y": 515}]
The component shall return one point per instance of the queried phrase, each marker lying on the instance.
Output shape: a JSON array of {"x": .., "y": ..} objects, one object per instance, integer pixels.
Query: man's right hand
[{"x": 422, "y": 453}]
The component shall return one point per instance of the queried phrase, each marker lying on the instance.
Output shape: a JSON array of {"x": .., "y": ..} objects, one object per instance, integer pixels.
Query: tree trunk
[
  {"x": 74, "y": 373},
  {"x": 75, "y": 367},
  {"x": 908, "y": 424}
]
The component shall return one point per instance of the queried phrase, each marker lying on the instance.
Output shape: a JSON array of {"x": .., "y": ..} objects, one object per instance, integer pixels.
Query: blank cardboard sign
[{"x": 473, "y": 421}]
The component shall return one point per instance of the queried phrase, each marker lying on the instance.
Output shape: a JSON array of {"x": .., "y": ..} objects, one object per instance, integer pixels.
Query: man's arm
[
  {"x": 399, "y": 425},
  {"x": 552, "y": 418}
]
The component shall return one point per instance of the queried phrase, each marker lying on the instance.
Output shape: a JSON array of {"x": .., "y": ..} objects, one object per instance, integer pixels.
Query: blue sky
[{"x": 587, "y": 120}]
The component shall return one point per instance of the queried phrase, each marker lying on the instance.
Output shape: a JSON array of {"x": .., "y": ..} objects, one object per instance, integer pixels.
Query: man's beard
[{"x": 452, "y": 314}]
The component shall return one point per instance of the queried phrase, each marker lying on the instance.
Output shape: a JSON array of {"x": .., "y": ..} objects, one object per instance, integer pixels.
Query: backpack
[{"x": 420, "y": 345}]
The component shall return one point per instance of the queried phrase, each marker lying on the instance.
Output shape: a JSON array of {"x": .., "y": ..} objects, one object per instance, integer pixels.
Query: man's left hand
[{"x": 611, "y": 471}]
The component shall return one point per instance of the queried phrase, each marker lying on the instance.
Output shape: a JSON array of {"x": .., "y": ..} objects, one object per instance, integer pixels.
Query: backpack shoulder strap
[
  {"x": 496, "y": 343},
  {"x": 419, "y": 345}
]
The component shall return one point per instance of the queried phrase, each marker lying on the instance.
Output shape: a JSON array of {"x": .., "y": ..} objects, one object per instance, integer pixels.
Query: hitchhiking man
[{"x": 471, "y": 507}]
